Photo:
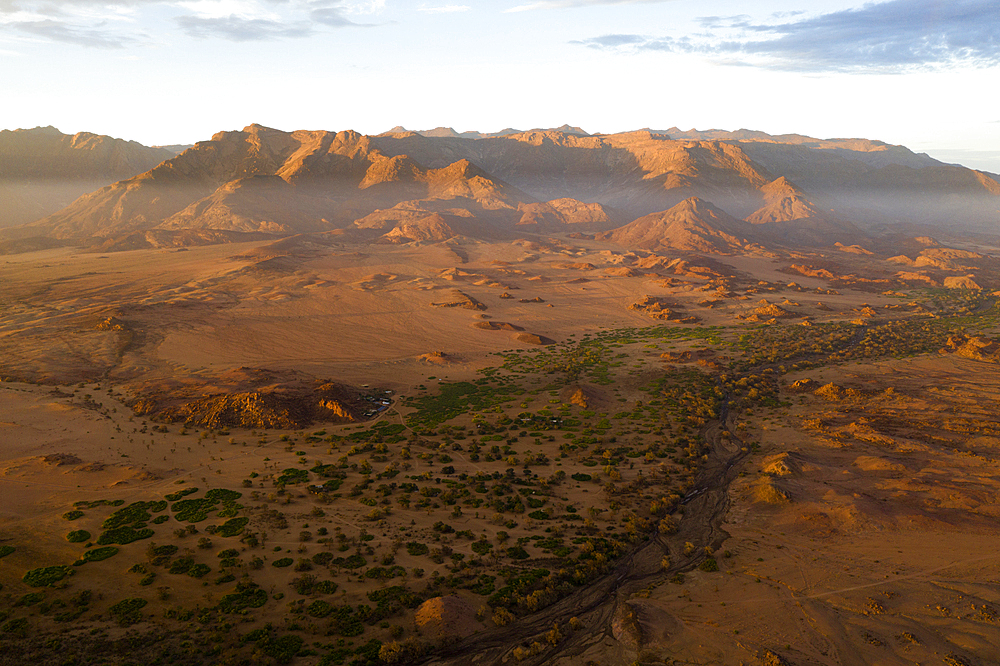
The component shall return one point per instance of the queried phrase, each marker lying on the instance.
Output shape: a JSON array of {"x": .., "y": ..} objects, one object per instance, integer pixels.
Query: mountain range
[
  {"x": 43, "y": 170},
  {"x": 710, "y": 191}
]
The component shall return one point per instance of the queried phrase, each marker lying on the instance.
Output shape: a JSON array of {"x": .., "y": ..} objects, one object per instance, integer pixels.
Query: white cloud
[
  {"x": 566, "y": 4},
  {"x": 223, "y": 8},
  {"x": 110, "y": 23},
  {"x": 364, "y": 6},
  {"x": 444, "y": 9},
  {"x": 892, "y": 36}
]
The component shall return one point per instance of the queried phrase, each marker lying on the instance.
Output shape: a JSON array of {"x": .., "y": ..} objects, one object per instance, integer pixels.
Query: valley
[{"x": 539, "y": 398}]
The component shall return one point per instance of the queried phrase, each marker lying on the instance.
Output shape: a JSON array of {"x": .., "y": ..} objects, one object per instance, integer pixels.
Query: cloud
[
  {"x": 565, "y": 4},
  {"x": 361, "y": 6},
  {"x": 90, "y": 23},
  {"x": 444, "y": 9},
  {"x": 888, "y": 36},
  {"x": 57, "y": 31},
  {"x": 612, "y": 41},
  {"x": 238, "y": 29},
  {"x": 331, "y": 17}
]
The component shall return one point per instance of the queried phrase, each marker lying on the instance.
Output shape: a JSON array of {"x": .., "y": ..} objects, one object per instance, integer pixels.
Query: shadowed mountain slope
[
  {"x": 43, "y": 170},
  {"x": 792, "y": 189}
]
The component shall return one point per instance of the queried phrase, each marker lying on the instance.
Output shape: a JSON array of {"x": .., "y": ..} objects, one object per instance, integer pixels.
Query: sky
[{"x": 920, "y": 73}]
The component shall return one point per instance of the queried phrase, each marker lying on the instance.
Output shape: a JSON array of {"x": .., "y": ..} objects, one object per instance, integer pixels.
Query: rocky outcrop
[
  {"x": 273, "y": 407},
  {"x": 766, "y": 310},
  {"x": 532, "y": 339},
  {"x": 658, "y": 308},
  {"x": 964, "y": 282},
  {"x": 977, "y": 348},
  {"x": 459, "y": 299},
  {"x": 444, "y": 617},
  {"x": 497, "y": 326}
]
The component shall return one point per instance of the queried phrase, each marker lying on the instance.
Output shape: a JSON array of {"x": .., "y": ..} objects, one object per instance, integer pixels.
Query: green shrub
[
  {"x": 247, "y": 595},
  {"x": 127, "y": 611},
  {"x": 293, "y": 476},
  {"x": 353, "y": 562},
  {"x": 137, "y": 512},
  {"x": 283, "y": 649},
  {"x": 199, "y": 570},
  {"x": 78, "y": 536},
  {"x": 160, "y": 555},
  {"x": 30, "y": 599},
  {"x": 283, "y": 562},
  {"x": 192, "y": 510},
  {"x": 319, "y": 609},
  {"x": 709, "y": 565},
  {"x": 45, "y": 576},
  {"x": 73, "y": 515},
  {"x": 124, "y": 535},
  {"x": 322, "y": 559},
  {"x": 416, "y": 548},
  {"x": 180, "y": 494},
  {"x": 17, "y": 626},
  {"x": 485, "y": 585},
  {"x": 159, "y": 520},
  {"x": 222, "y": 495},
  {"x": 98, "y": 554},
  {"x": 232, "y": 527},
  {"x": 6, "y": 550},
  {"x": 517, "y": 553},
  {"x": 181, "y": 565}
]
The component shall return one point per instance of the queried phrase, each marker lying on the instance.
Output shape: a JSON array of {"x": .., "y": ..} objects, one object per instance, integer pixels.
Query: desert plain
[{"x": 550, "y": 442}]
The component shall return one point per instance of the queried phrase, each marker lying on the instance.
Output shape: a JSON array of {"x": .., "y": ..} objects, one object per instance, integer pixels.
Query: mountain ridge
[{"x": 265, "y": 180}]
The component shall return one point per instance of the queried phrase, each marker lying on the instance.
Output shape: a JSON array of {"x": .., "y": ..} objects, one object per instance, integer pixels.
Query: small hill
[
  {"x": 788, "y": 216},
  {"x": 692, "y": 225},
  {"x": 431, "y": 228},
  {"x": 558, "y": 214},
  {"x": 783, "y": 202}
]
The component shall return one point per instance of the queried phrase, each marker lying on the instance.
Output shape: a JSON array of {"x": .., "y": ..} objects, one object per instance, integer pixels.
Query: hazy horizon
[
  {"x": 981, "y": 160},
  {"x": 908, "y": 72}
]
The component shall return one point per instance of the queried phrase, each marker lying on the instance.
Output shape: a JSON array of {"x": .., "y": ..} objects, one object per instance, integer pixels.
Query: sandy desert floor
[{"x": 616, "y": 416}]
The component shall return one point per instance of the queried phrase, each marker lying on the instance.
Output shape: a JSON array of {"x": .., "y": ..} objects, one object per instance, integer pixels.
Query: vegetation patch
[
  {"x": 98, "y": 554},
  {"x": 416, "y": 548},
  {"x": 199, "y": 570},
  {"x": 46, "y": 576},
  {"x": 78, "y": 536},
  {"x": 180, "y": 494},
  {"x": 124, "y": 535},
  {"x": 30, "y": 599},
  {"x": 232, "y": 527},
  {"x": 248, "y": 595},
  {"x": 292, "y": 476},
  {"x": 137, "y": 512},
  {"x": 128, "y": 611}
]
